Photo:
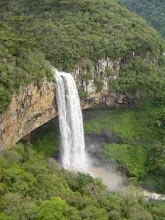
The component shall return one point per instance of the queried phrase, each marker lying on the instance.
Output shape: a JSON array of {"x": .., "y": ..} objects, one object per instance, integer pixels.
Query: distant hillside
[{"x": 151, "y": 10}]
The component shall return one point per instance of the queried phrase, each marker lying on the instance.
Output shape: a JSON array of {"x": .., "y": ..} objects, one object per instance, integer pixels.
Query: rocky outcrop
[
  {"x": 104, "y": 70},
  {"x": 35, "y": 104},
  {"x": 106, "y": 98}
]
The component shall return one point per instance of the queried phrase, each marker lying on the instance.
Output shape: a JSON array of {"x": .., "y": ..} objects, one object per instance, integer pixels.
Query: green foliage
[
  {"x": 16, "y": 206},
  {"x": 34, "y": 187},
  {"x": 108, "y": 72},
  {"x": 119, "y": 121},
  {"x": 5, "y": 99},
  {"x": 157, "y": 210},
  {"x": 126, "y": 155},
  {"x": 3, "y": 216},
  {"x": 142, "y": 79},
  {"x": 99, "y": 84},
  {"x": 92, "y": 213},
  {"x": 58, "y": 209},
  {"x": 78, "y": 33},
  {"x": 48, "y": 143},
  {"x": 134, "y": 205},
  {"x": 83, "y": 94},
  {"x": 152, "y": 11},
  {"x": 137, "y": 143},
  {"x": 86, "y": 77},
  {"x": 20, "y": 65}
]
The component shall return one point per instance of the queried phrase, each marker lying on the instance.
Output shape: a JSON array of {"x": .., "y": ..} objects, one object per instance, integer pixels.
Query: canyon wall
[{"x": 36, "y": 104}]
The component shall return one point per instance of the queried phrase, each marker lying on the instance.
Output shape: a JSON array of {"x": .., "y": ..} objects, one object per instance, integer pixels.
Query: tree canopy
[
  {"x": 151, "y": 10},
  {"x": 33, "y": 187},
  {"x": 66, "y": 33}
]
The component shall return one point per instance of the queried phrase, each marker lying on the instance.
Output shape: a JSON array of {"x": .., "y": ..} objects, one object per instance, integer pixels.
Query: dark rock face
[
  {"x": 93, "y": 147},
  {"x": 107, "y": 99},
  {"x": 94, "y": 142}
]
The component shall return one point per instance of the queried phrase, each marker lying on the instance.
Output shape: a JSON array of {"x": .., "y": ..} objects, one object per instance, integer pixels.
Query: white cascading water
[{"x": 73, "y": 154}]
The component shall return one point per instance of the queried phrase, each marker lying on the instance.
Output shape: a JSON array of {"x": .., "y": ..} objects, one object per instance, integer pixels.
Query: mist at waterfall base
[{"x": 73, "y": 155}]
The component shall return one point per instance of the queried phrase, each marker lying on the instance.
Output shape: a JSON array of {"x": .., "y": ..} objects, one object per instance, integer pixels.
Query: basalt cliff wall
[{"x": 36, "y": 104}]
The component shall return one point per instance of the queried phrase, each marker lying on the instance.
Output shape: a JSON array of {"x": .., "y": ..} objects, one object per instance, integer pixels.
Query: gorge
[
  {"x": 117, "y": 62},
  {"x": 36, "y": 105}
]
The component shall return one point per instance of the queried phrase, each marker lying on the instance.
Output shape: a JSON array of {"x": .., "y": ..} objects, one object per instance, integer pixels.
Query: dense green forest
[
  {"x": 75, "y": 33},
  {"x": 151, "y": 10},
  {"x": 18, "y": 64},
  {"x": 33, "y": 187}
]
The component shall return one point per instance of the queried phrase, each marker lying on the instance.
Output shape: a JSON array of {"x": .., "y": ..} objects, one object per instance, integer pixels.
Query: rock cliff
[{"x": 36, "y": 105}]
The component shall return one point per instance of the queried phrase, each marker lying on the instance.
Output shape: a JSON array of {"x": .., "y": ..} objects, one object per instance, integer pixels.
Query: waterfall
[
  {"x": 71, "y": 122},
  {"x": 72, "y": 149}
]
